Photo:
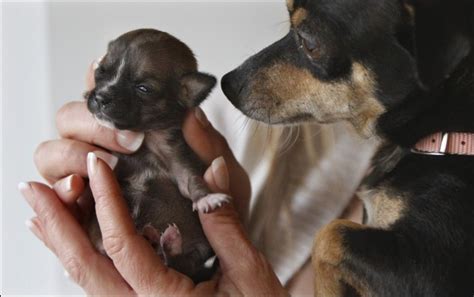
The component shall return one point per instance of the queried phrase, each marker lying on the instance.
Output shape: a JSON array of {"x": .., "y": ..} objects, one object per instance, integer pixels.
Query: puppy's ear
[{"x": 195, "y": 87}]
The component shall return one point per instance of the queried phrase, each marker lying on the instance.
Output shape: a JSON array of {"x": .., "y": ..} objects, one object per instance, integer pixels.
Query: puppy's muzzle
[
  {"x": 100, "y": 100},
  {"x": 97, "y": 101}
]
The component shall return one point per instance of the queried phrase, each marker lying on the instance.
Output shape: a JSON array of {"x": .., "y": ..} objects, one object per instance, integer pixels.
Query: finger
[
  {"x": 203, "y": 138},
  {"x": 33, "y": 225},
  {"x": 217, "y": 179},
  {"x": 238, "y": 258},
  {"x": 75, "y": 121},
  {"x": 57, "y": 159},
  {"x": 134, "y": 258},
  {"x": 209, "y": 144},
  {"x": 91, "y": 271},
  {"x": 218, "y": 173},
  {"x": 37, "y": 229},
  {"x": 90, "y": 81},
  {"x": 228, "y": 239},
  {"x": 69, "y": 189}
]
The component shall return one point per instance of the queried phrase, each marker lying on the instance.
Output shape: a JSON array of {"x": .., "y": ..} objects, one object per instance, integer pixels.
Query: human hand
[
  {"x": 62, "y": 162},
  {"x": 244, "y": 270},
  {"x": 135, "y": 268}
]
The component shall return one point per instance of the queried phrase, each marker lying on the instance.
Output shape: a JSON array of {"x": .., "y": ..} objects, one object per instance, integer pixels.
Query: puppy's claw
[
  {"x": 171, "y": 241},
  {"x": 211, "y": 202}
]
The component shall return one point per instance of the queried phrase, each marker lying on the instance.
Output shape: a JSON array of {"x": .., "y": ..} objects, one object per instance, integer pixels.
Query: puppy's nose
[
  {"x": 101, "y": 100},
  {"x": 231, "y": 86}
]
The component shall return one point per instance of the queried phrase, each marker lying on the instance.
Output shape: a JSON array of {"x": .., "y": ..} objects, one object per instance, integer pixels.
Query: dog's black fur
[
  {"x": 418, "y": 237},
  {"x": 442, "y": 32},
  {"x": 147, "y": 82}
]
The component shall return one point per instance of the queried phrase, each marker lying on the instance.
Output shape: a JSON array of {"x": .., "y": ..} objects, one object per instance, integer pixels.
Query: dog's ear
[{"x": 195, "y": 87}]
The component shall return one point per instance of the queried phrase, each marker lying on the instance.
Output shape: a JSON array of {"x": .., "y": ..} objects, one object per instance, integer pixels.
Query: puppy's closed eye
[{"x": 143, "y": 89}]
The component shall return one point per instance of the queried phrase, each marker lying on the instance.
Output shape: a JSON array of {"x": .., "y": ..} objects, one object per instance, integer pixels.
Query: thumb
[
  {"x": 239, "y": 260},
  {"x": 90, "y": 79},
  {"x": 223, "y": 227},
  {"x": 228, "y": 238}
]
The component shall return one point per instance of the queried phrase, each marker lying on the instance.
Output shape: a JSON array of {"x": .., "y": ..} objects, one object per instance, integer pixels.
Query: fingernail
[
  {"x": 221, "y": 173},
  {"x": 34, "y": 229},
  {"x": 110, "y": 159},
  {"x": 26, "y": 190},
  {"x": 91, "y": 164},
  {"x": 64, "y": 185},
  {"x": 95, "y": 64},
  {"x": 66, "y": 274},
  {"x": 201, "y": 117},
  {"x": 29, "y": 224},
  {"x": 130, "y": 140}
]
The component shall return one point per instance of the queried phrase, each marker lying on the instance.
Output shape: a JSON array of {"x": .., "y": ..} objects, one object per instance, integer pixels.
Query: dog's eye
[
  {"x": 308, "y": 44},
  {"x": 143, "y": 89}
]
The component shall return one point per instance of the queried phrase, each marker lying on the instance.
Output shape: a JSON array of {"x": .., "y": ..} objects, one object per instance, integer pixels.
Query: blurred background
[{"x": 46, "y": 49}]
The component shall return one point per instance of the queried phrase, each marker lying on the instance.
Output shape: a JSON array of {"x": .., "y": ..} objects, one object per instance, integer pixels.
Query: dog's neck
[{"x": 447, "y": 108}]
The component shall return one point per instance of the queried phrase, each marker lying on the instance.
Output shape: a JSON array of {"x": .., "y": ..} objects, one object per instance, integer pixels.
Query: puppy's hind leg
[{"x": 345, "y": 254}]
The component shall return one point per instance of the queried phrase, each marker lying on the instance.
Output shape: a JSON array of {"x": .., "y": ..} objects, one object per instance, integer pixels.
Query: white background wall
[{"x": 46, "y": 49}]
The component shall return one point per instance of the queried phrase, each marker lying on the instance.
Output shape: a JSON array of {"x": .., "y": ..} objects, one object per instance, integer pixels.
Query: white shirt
[{"x": 322, "y": 195}]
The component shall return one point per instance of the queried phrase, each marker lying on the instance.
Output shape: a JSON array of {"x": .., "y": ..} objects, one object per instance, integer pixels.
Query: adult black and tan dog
[{"x": 373, "y": 63}]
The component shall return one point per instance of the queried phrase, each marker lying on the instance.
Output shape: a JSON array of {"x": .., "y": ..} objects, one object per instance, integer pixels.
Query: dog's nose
[
  {"x": 231, "y": 86},
  {"x": 101, "y": 100}
]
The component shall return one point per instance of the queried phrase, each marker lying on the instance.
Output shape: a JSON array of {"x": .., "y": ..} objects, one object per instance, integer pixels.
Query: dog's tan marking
[
  {"x": 290, "y": 4},
  {"x": 329, "y": 243},
  {"x": 298, "y": 16},
  {"x": 327, "y": 257},
  {"x": 383, "y": 209},
  {"x": 285, "y": 91}
]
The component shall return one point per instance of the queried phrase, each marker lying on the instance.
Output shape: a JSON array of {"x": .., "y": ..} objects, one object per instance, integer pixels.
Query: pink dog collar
[{"x": 440, "y": 144}]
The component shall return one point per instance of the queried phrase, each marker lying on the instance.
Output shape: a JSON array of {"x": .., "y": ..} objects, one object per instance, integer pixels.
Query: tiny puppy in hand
[{"x": 147, "y": 82}]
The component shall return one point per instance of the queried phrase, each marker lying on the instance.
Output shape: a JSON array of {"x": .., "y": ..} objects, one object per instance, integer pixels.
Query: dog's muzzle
[{"x": 232, "y": 85}]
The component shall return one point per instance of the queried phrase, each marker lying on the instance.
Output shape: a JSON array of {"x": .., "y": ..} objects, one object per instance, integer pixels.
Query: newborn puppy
[{"x": 147, "y": 82}]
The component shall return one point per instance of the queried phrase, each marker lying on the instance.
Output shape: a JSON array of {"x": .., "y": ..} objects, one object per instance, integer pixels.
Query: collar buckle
[
  {"x": 442, "y": 148},
  {"x": 444, "y": 143}
]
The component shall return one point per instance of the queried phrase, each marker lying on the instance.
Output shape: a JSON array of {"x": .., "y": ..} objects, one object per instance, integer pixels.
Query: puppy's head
[
  {"x": 146, "y": 81},
  {"x": 341, "y": 60}
]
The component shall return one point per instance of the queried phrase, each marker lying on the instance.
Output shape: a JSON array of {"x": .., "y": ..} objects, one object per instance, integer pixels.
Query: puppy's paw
[
  {"x": 153, "y": 236},
  {"x": 171, "y": 241},
  {"x": 211, "y": 202}
]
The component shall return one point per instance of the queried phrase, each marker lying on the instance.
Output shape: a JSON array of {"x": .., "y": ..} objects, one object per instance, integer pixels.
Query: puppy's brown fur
[{"x": 147, "y": 82}]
